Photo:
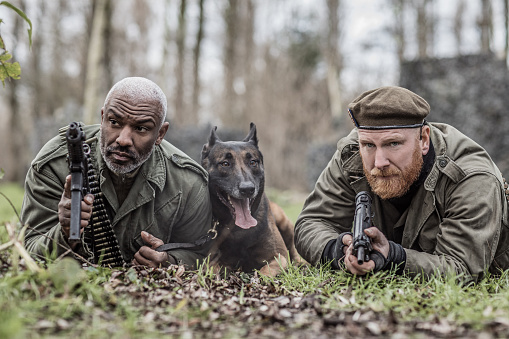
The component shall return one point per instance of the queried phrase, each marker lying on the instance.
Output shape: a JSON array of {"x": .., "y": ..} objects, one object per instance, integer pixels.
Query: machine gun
[
  {"x": 362, "y": 220},
  {"x": 77, "y": 159}
]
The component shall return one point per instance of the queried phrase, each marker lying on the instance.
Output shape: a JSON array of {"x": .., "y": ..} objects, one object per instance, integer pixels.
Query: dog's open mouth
[{"x": 240, "y": 209}]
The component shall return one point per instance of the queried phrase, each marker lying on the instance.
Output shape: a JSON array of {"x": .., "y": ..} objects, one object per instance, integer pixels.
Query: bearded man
[
  {"x": 439, "y": 202},
  {"x": 151, "y": 192}
]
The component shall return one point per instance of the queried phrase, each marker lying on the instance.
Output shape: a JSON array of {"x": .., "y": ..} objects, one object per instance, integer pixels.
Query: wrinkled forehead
[{"x": 134, "y": 106}]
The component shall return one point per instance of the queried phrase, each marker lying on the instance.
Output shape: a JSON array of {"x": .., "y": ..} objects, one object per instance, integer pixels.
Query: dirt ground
[{"x": 241, "y": 306}]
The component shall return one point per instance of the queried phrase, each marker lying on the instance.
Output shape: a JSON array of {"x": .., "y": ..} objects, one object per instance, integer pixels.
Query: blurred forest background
[{"x": 289, "y": 66}]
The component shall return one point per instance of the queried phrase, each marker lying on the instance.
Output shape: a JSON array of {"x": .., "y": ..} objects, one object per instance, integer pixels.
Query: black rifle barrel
[
  {"x": 361, "y": 221},
  {"x": 78, "y": 168}
]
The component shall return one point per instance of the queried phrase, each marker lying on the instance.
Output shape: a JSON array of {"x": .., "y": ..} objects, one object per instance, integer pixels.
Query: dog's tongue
[{"x": 243, "y": 217}]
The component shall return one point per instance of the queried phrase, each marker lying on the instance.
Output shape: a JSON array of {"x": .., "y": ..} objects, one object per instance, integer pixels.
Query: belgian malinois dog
[{"x": 254, "y": 233}]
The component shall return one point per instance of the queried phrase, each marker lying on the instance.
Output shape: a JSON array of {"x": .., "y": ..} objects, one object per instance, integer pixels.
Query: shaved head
[{"x": 136, "y": 89}]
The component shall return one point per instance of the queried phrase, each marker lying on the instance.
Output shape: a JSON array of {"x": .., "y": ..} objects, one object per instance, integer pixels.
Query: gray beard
[{"x": 124, "y": 169}]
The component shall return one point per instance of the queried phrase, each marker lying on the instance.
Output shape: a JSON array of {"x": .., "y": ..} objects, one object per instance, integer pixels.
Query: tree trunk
[
  {"x": 180, "y": 112},
  {"x": 196, "y": 67},
  {"x": 458, "y": 25},
  {"x": 17, "y": 131},
  {"x": 424, "y": 24},
  {"x": 95, "y": 68},
  {"x": 506, "y": 28},
  {"x": 230, "y": 59},
  {"x": 333, "y": 61},
  {"x": 163, "y": 74},
  {"x": 486, "y": 25},
  {"x": 399, "y": 28}
]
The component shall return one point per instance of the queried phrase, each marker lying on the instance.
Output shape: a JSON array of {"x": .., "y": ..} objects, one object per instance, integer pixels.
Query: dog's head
[{"x": 236, "y": 177}]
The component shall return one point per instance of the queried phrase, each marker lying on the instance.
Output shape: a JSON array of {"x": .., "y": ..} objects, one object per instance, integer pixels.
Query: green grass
[
  {"x": 63, "y": 300},
  {"x": 14, "y": 193}
]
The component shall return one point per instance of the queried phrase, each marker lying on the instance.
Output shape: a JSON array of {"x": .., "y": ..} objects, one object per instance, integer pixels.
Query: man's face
[
  {"x": 129, "y": 131},
  {"x": 392, "y": 159}
]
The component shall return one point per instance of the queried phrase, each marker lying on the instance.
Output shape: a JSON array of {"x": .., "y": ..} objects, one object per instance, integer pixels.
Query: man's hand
[
  {"x": 379, "y": 243},
  {"x": 378, "y": 240},
  {"x": 148, "y": 256},
  {"x": 64, "y": 209}
]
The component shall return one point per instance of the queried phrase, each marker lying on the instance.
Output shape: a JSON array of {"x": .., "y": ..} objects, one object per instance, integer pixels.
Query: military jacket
[
  {"x": 169, "y": 199},
  {"x": 456, "y": 222}
]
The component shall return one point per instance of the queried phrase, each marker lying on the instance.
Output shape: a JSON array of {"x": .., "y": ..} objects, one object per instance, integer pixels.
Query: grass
[
  {"x": 15, "y": 194},
  {"x": 64, "y": 300}
]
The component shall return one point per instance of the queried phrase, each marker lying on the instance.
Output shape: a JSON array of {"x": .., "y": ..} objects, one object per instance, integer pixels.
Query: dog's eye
[
  {"x": 253, "y": 163},
  {"x": 224, "y": 164}
]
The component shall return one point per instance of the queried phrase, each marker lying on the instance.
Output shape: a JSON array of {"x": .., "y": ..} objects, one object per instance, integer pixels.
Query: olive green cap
[{"x": 388, "y": 107}]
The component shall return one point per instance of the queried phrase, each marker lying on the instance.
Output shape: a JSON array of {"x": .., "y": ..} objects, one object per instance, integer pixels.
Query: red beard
[{"x": 392, "y": 182}]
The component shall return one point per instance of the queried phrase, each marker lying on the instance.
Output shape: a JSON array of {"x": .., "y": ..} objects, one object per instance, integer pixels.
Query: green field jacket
[
  {"x": 456, "y": 222},
  {"x": 169, "y": 199}
]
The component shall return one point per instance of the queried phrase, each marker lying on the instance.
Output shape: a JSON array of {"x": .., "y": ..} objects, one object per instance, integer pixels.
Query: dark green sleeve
[{"x": 43, "y": 190}]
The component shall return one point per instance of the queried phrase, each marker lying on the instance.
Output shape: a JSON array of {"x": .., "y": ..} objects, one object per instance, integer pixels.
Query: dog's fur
[{"x": 252, "y": 230}]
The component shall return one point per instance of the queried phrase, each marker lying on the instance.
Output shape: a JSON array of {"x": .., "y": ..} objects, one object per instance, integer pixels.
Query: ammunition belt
[{"x": 99, "y": 233}]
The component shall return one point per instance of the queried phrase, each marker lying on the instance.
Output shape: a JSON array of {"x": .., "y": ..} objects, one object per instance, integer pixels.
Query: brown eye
[
  {"x": 225, "y": 164},
  {"x": 253, "y": 163}
]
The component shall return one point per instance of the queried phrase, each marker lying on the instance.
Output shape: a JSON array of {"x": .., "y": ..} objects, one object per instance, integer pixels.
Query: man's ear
[
  {"x": 425, "y": 139},
  {"x": 102, "y": 115},
  {"x": 162, "y": 132}
]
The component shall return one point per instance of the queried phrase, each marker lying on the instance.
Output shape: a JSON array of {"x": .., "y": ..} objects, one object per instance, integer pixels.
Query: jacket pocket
[
  {"x": 165, "y": 217},
  {"x": 427, "y": 238}
]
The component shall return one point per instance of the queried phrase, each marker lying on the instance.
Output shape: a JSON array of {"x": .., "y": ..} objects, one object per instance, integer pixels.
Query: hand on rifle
[
  {"x": 377, "y": 262},
  {"x": 64, "y": 209},
  {"x": 148, "y": 256}
]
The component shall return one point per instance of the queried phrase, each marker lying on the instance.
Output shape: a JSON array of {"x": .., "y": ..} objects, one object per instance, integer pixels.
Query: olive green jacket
[
  {"x": 456, "y": 222},
  {"x": 169, "y": 199}
]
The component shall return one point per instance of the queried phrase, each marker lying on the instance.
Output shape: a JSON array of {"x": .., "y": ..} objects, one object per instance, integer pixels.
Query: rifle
[
  {"x": 362, "y": 220},
  {"x": 77, "y": 159}
]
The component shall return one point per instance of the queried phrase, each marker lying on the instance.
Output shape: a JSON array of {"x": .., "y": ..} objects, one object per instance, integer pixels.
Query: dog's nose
[{"x": 246, "y": 188}]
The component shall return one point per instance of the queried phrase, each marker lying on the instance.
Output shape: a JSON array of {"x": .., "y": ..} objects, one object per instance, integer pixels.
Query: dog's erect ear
[
  {"x": 251, "y": 137},
  {"x": 212, "y": 141},
  {"x": 213, "y": 137}
]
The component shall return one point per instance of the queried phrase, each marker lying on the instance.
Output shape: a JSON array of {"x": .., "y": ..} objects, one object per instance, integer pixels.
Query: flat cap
[{"x": 388, "y": 107}]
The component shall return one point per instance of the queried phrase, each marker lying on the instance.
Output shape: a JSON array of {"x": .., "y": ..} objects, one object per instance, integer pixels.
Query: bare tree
[
  {"x": 333, "y": 58},
  {"x": 506, "y": 29},
  {"x": 230, "y": 57},
  {"x": 425, "y": 27},
  {"x": 167, "y": 42},
  {"x": 398, "y": 30},
  {"x": 196, "y": 67},
  {"x": 95, "y": 65},
  {"x": 181, "y": 117},
  {"x": 246, "y": 78},
  {"x": 485, "y": 23},
  {"x": 458, "y": 24},
  {"x": 16, "y": 126}
]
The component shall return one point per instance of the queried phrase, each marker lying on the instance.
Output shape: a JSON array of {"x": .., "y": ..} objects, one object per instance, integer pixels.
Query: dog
[{"x": 253, "y": 233}]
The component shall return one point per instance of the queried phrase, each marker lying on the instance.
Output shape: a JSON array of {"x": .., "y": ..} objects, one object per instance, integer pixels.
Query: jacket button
[{"x": 442, "y": 163}]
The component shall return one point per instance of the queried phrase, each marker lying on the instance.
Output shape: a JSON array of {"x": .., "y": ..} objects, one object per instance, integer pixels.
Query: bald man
[{"x": 151, "y": 192}]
